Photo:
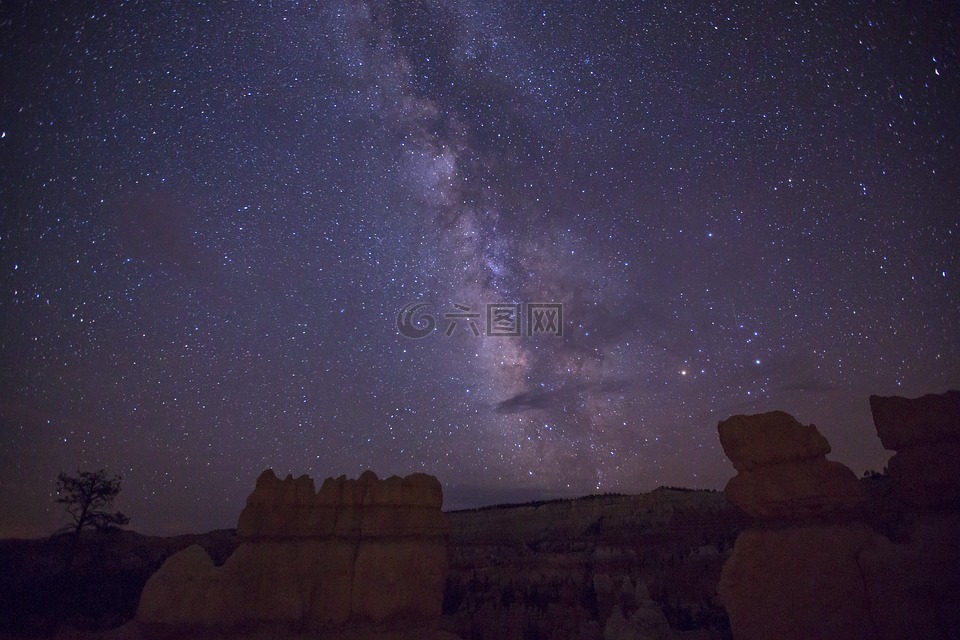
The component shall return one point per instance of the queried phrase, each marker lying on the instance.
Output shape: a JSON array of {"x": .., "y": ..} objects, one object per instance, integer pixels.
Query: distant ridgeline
[
  {"x": 590, "y": 517},
  {"x": 591, "y": 496}
]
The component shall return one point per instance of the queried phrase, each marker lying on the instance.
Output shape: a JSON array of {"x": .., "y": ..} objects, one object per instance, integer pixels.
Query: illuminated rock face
[
  {"x": 809, "y": 566},
  {"x": 783, "y": 471},
  {"x": 787, "y": 578},
  {"x": 362, "y": 551}
]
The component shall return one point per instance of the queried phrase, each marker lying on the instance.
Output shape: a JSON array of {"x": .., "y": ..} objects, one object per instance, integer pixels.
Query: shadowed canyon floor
[{"x": 564, "y": 569}]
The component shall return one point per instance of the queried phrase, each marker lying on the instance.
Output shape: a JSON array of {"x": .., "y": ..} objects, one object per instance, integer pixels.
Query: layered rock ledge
[
  {"x": 783, "y": 470},
  {"x": 358, "y": 552}
]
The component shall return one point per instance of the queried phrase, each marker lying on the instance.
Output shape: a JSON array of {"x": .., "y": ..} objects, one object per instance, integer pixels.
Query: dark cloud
[
  {"x": 547, "y": 400},
  {"x": 531, "y": 400}
]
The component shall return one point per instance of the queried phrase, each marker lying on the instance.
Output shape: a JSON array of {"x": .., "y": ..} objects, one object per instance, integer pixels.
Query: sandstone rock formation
[
  {"x": 925, "y": 433},
  {"x": 788, "y": 579},
  {"x": 915, "y": 587},
  {"x": 798, "y": 582},
  {"x": 645, "y": 620},
  {"x": 784, "y": 473},
  {"x": 365, "y": 551},
  {"x": 808, "y": 566}
]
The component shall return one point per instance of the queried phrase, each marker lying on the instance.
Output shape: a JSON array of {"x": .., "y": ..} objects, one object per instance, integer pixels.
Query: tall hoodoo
[{"x": 363, "y": 551}]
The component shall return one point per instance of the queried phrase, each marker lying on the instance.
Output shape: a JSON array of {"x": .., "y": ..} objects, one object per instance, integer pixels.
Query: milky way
[{"x": 212, "y": 217}]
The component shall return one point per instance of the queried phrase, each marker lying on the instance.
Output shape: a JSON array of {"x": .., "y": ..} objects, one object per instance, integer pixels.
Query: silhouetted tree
[{"x": 88, "y": 495}]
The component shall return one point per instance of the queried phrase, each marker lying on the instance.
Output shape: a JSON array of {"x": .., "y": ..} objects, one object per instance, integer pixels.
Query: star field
[{"x": 213, "y": 213}]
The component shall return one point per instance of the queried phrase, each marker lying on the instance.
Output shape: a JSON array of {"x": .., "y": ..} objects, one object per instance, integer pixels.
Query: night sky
[{"x": 213, "y": 214}]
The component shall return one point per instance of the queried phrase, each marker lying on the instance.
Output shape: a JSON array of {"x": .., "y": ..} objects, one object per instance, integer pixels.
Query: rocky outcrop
[
  {"x": 798, "y": 582},
  {"x": 915, "y": 587},
  {"x": 643, "y": 619},
  {"x": 925, "y": 433},
  {"x": 783, "y": 471},
  {"x": 794, "y": 573},
  {"x": 357, "y": 552},
  {"x": 809, "y": 566}
]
